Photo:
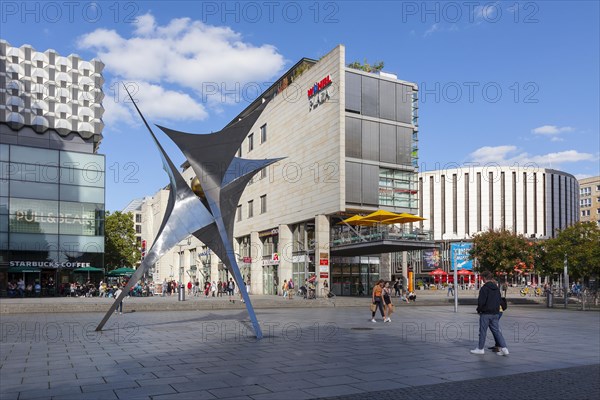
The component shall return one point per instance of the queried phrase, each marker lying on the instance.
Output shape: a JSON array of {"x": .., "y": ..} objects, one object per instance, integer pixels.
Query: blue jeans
[{"x": 491, "y": 321}]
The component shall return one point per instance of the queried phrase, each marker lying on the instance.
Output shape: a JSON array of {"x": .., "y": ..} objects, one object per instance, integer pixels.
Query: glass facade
[
  {"x": 374, "y": 147},
  {"x": 354, "y": 276},
  {"x": 51, "y": 210}
]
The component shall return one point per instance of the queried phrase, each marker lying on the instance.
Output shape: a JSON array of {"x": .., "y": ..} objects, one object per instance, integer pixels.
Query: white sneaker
[
  {"x": 387, "y": 320},
  {"x": 503, "y": 352},
  {"x": 373, "y": 320},
  {"x": 477, "y": 351}
]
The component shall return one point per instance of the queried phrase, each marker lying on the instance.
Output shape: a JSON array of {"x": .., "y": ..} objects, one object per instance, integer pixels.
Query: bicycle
[{"x": 525, "y": 291}]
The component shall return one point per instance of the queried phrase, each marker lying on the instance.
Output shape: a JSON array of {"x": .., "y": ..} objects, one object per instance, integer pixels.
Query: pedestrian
[
  {"x": 120, "y": 306},
  {"x": 488, "y": 308},
  {"x": 450, "y": 289},
  {"x": 387, "y": 299},
  {"x": 397, "y": 287},
  {"x": 164, "y": 288},
  {"x": 230, "y": 289},
  {"x": 213, "y": 288},
  {"x": 377, "y": 301},
  {"x": 290, "y": 289},
  {"x": 189, "y": 288},
  {"x": 284, "y": 288}
]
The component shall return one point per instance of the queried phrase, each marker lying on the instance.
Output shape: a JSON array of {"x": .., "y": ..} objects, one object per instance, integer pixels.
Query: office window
[
  {"x": 263, "y": 133},
  {"x": 585, "y": 213},
  {"x": 250, "y": 142},
  {"x": 585, "y": 202},
  {"x": 263, "y": 173},
  {"x": 138, "y": 218},
  {"x": 138, "y": 229},
  {"x": 239, "y": 153},
  {"x": 40, "y": 80},
  {"x": 586, "y": 191},
  {"x": 597, "y": 188},
  {"x": 250, "y": 208},
  {"x": 40, "y": 64},
  {"x": 15, "y": 59},
  {"x": 263, "y": 204},
  {"x": 238, "y": 213}
]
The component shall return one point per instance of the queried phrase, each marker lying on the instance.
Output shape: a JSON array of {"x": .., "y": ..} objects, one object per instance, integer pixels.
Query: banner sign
[
  {"x": 431, "y": 259},
  {"x": 459, "y": 256}
]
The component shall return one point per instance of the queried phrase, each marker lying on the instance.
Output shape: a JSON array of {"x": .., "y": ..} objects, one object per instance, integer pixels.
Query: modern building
[
  {"x": 51, "y": 177},
  {"x": 460, "y": 202},
  {"x": 589, "y": 199},
  {"x": 350, "y": 142},
  {"x": 135, "y": 208}
]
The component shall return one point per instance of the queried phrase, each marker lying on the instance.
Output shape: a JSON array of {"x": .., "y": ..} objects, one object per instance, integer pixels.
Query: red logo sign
[
  {"x": 323, "y": 261},
  {"x": 324, "y": 275},
  {"x": 318, "y": 86}
]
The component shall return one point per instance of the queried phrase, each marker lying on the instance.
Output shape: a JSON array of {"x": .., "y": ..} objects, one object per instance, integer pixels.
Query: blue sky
[{"x": 512, "y": 83}]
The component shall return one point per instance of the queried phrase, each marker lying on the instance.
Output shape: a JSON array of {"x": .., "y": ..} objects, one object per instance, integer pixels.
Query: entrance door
[{"x": 270, "y": 279}]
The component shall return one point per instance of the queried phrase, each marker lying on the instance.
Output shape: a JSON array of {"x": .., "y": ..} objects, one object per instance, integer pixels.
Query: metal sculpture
[{"x": 222, "y": 178}]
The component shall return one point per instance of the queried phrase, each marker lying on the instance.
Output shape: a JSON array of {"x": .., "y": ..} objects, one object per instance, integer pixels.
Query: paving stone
[{"x": 172, "y": 358}]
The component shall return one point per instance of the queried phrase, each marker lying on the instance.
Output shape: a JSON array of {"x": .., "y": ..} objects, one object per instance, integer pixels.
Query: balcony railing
[{"x": 343, "y": 235}]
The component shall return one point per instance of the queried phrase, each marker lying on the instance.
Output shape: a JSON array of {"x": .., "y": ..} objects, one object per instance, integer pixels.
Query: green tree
[
  {"x": 581, "y": 245},
  {"x": 120, "y": 245},
  {"x": 378, "y": 66},
  {"x": 501, "y": 251}
]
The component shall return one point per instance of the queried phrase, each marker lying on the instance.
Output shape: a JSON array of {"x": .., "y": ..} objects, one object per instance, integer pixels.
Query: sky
[{"x": 500, "y": 83}]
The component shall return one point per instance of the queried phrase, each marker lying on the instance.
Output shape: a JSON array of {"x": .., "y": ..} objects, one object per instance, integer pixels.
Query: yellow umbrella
[
  {"x": 404, "y": 218},
  {"x": 353, "y": 220},
  {"x": 380, "y": 216}
]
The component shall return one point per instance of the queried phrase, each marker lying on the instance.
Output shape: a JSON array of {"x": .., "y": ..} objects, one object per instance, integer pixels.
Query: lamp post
[{"x": 455, "y": 280}]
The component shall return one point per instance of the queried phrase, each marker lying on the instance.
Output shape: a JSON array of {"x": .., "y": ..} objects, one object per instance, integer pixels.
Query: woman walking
[
  {"x": 377, "y": 299},
  {"x": 387, "y": 299}
]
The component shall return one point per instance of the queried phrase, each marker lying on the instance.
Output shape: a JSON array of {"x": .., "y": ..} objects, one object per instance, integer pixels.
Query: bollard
[
  {"x": 549, "y": 300},
  {"x": 181, "y": 293}
]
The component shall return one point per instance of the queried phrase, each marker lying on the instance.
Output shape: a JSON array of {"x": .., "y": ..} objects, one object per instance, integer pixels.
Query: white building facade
[{"x": 460, "y": 202}]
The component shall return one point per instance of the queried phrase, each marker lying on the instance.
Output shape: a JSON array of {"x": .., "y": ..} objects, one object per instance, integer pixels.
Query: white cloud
[
  {"x": 434, "y": 28},
  {"x": 551, "y": 130},
  {"x": 171, "y": 105},
  {"x": 509, "y": 155},
  {"x": 490, "y": 154},
  {"x": 185, "y": 52},
  {"x": 172, "y": 64}
]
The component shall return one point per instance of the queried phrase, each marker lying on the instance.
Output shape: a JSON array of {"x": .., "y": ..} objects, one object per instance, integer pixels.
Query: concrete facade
[
  {"x": 284, "y": 217},
  {"x": 589, "y": 199}
]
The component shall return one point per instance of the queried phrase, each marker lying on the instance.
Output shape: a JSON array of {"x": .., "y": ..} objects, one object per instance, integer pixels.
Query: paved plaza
[{"x": 306, "y": 353}]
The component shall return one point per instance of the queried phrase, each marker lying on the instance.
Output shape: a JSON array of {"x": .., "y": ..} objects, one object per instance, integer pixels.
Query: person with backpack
[{"x": 488, "y": 308}]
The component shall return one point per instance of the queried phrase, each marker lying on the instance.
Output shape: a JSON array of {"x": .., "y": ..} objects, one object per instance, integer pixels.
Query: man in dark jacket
[{"x": 488, "y": 308}]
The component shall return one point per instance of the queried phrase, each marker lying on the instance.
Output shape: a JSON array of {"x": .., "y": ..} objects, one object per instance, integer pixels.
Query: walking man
[{"x": 488, "y": 308}]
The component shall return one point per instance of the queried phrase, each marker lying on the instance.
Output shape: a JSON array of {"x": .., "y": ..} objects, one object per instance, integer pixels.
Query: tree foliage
[
  {"x": 502, "y": 251},
  {"x": 580, "y": 243},
  {"x": 378, "y": 66},
  {"x": 120, "y": 247}
]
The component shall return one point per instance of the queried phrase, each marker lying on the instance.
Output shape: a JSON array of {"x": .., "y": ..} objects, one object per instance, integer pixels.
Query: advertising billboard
[{"x": 459, "y": 256}]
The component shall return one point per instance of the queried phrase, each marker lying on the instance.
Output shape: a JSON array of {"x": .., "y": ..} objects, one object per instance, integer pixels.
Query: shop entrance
[
  {"x": 354, "y": 276},
  {"x": 270, "y": 279}
]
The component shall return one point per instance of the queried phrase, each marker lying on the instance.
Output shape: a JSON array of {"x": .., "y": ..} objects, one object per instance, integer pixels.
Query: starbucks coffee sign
[{"x": 49, "y": 264}]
